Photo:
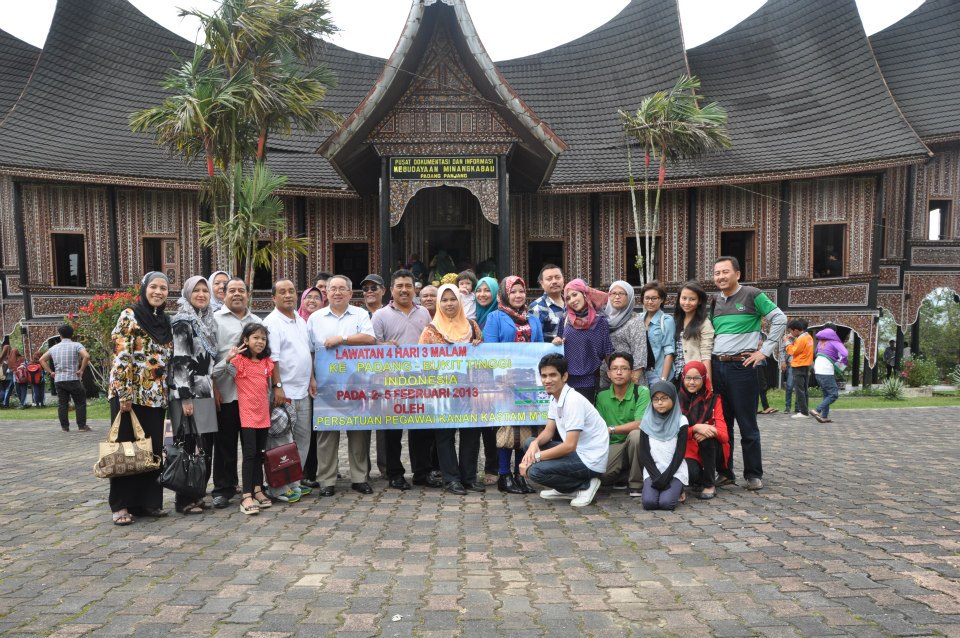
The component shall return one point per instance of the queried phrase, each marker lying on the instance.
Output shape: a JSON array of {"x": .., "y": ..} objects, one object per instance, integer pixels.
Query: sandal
[
  {"x": 249, "y": 509},
  {"x": 769, "y": 411},
  {"x": 122, "y": 518},
  {"x": 262, "y": 502},
  {"x": 682, "y": 499},
  {"x": 191, "y": 510},
  {"x": 154, "y": 512}
]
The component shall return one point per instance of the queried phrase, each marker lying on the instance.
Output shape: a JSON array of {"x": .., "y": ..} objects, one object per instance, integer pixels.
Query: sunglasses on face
[{"x": 369, "y": 288}]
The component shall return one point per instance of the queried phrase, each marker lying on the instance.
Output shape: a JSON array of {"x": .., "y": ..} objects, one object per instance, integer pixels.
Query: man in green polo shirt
[{"x": 622, "y": 406}]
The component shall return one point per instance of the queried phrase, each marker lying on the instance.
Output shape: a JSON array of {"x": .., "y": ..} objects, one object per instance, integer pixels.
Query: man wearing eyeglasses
[
  {"x": 373, "y": 289},
  {"x": 622, "y": 406}
]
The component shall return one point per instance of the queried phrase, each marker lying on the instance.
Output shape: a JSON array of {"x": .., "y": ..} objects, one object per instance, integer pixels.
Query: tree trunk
[
  {"x": 633, "y": 205},
  {"x": 646, "y": 212}
]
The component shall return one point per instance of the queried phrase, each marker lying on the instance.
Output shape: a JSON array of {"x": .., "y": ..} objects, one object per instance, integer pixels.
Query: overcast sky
[{"x": 508, "y": 28}]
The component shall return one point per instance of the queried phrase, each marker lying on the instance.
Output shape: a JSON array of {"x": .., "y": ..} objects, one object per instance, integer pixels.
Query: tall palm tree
[{"x": 669, "y": 126}]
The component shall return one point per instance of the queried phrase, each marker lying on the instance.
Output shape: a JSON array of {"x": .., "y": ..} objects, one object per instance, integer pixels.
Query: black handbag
[{"x": 185, "y": 468}]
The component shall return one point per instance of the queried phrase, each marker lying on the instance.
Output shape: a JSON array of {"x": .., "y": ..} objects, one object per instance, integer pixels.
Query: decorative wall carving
[
  {"x": 8, "y": 238},
  {"x": 754, "y": 206},
  {"x": 935, "y": 255},
  {"x": 565, "y": 218},
  {"x": 890, "y": 275},
  {"x": 919, "y": 285},
  {"x": 13, "y": 285},
  {"x": 445, "y": 207},
  {"x": 849, "y": 200},
  {"x": 937, "y": 179},
  {"x": 858, "y": 295},
  {"x": 895, "y": 208},
  {"x": 486, "y": 192},
  {"x": 330, "y": 220},
  {"x": 617, "y": 226}
]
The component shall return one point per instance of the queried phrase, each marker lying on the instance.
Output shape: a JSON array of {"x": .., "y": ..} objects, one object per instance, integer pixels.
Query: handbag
[
  {"x": 185, "y": 470},
  {"x": 126, "y": 458},
  {"x": 513, "y": 436},
  {"x": 281, "y": 465}
]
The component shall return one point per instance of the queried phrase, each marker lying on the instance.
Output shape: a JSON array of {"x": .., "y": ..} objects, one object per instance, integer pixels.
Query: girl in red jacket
[{"x": 708, "y": 444}]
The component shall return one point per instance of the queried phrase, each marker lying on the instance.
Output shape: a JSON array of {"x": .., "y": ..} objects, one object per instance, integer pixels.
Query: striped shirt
[
  {"x": 65, "y": 357},
  {"x": 736, "y": 320}
]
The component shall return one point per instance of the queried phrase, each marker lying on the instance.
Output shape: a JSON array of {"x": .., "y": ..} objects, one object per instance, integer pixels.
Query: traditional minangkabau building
[{"x": 846, "y": 155}]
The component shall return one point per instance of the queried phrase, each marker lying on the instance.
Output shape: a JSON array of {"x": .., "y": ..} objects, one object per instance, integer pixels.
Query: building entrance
[{"x": 444, "y": 228}]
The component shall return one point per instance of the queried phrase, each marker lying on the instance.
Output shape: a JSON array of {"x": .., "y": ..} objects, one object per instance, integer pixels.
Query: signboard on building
[{"x": 444, "y": 168}]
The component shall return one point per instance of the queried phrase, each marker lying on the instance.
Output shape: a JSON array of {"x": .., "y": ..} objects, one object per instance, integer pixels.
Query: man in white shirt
[
  {"x": 290, "y": 350},
  {"x": 340, "y": 324},
  {"x": 571, "y": 469}
]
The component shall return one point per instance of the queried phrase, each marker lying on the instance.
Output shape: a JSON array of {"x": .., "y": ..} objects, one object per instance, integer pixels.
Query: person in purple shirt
[{"x": 585, "y": 336}]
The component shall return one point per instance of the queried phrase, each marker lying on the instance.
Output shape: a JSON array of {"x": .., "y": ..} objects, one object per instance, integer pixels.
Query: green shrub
[
  {"x": 892, "y": 389},
  {"x": 918, "y": 371},
  {"x": 955, "y": 376}
]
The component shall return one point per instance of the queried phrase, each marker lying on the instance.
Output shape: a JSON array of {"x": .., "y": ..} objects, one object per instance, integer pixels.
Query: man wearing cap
[
  {"x": 373, "y": 290},
  {"x": 400, "y": 323}
]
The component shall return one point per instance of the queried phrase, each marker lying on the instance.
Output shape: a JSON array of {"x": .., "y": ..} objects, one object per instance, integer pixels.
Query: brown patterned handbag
[
  {"x": 125, "y": 458},
  {"x": 514, "y": 436}
]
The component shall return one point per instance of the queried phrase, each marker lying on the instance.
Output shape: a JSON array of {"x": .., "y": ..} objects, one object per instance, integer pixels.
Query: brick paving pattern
[{"x": 855, "y": 533}]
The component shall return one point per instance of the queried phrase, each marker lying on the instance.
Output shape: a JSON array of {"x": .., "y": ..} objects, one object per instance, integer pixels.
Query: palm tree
[
  {"x": 670, "y": 126},
  {"x": 259, "y": 213}
]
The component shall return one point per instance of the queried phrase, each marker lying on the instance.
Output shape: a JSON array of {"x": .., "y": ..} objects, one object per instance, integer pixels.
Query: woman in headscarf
[
  {"x": 486, "y": 293},
  {"x": 663, "y": 443},
  {"x": 312, "y": 300},
  {"x": 829, "y": 359},
  {"x": 142, "y": 347},
  {"x": 585, "y": 336},
  {"x": 189, "y": 377},
  {"x": 450, "y": 325},
  {"x": 626, "y": 330},
  {"x": 511, "y": 323},
  {"x": 708, "y": 444},
  {"x": 218, "y": 288}
]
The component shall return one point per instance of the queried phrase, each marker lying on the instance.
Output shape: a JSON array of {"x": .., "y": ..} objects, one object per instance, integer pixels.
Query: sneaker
[
  {"x": 556, "y": 495},
  {"x": 799, "y": 415},
  {"x": 635, "y": 492},
  {"x": 585, "y": 497},
  {"x": 620, "y": 485},
  {"x": 85, "y": 429},
  {"x": 817, "y": 416},
  {"x": 305, "y": 489},
  {"x": 754, "y": 484},
  {"x": 290, "y": 496}
]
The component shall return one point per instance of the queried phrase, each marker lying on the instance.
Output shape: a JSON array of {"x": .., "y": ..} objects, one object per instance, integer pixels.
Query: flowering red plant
[{"x": 93, "y": 323}]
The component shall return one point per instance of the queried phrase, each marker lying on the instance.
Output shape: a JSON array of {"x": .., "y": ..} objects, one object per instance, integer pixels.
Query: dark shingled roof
[
  {"x": 802, "y": 90},
  {"x": 578, "y": 87},
  {"x": 102, "y": 61},
  {"x": 920, "y": 59},
  {"x": 17, "y": 59}
]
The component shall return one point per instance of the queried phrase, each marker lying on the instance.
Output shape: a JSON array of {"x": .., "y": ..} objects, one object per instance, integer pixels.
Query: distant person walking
[{"x": 70, "y": 360}]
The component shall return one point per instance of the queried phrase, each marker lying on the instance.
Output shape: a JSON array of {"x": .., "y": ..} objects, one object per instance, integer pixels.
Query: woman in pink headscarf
[
  {"x": 312, "y": 300},
  {"x": 585, "y": 336}
]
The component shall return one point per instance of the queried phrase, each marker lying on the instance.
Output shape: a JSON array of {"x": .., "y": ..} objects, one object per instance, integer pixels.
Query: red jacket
[{"x": 693, "y": 446}]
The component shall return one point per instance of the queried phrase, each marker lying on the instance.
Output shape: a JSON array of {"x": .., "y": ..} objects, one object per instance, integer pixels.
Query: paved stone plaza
[{"x": 856, "y": 533}]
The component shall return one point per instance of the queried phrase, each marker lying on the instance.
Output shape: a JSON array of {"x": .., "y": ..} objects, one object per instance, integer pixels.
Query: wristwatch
[
  {"x": 536, "y": 457},
  {"x": 343, "y": 340},
  {"x": 278, "y": 384}
]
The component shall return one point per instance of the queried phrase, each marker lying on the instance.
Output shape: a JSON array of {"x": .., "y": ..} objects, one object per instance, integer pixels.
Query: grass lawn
[
  {"x": 96, "y": 409},
  {"x": 775, "y": 397}
]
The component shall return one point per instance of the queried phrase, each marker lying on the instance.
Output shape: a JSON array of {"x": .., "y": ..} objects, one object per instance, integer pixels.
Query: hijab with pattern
[
  {"x": 204, "y": 325},
  {"x": 595, "y": 301},
  {"x": 457, "y": 329},
  {"x": 619, "y": 318},
  {"x": 484, "y": 311},
  {"x": 154, "y": 321},
  {"x": 662, "y": 427},
  {"x": 524, "y": 333}
]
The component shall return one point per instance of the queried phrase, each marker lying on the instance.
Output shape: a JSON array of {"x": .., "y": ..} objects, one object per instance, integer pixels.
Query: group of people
[
  {"x": 641, "y": 401},
  {"x": 21, "y": 378}
]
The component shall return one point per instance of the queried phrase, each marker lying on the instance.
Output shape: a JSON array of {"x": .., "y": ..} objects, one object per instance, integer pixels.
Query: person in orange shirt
[{"x": 800, "y": 348}]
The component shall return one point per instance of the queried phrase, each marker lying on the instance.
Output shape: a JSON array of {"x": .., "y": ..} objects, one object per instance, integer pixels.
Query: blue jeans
[
  {"x": 827, "y": 383},
  {"x": 788, "y": 389},
  {"x": 566, "y": 474},
  {"x": 739, "y": 390}
]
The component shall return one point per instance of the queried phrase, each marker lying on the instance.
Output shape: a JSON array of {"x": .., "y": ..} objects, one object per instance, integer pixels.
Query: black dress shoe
[
  {"x": 309, "y": 483},
  {"x": 455, "y": 487},
  {"x": 430, "y": 481},
  {"x": 221, "y": 502},
  {"x": 363, "y": 488},
  {"x": 399, "y": 483},
  {"x": 474, "y": 487},
  {"x": 505, "y": 484},
  {"x": 521, "y": 482},
  {"x": 328, "y": 491}
]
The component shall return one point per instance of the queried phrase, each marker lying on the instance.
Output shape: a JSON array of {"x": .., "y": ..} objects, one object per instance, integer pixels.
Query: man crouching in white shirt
[{"x": 570, "y": 469}]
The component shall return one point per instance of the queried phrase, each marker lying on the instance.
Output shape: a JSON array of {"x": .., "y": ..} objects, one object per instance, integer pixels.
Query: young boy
[
  {"x": 570, "y": 468},
  {"x": 466, "y": 282}
]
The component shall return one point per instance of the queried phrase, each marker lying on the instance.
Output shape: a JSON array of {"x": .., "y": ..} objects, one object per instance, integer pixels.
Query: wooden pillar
[
  {"x": 783, "y": 290},
  {"x": 386, "y": 245},
  {"x": 915, "y": 338},
  {"x": 113, "y": 218},
  {"x": 899, "y": 348},
  {"x": 504, "y": 261},
  {"x": 20, "y": 231},
  {"x": 855, "y": 374}
]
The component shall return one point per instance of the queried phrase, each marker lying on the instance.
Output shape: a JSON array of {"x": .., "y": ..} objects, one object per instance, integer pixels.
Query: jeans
[
  {"x": 654, "y": 499},
  {"x": 788, "y": 390},
  {"x": 6, "y": 389},
  {"x": 566, "y": 474},
  {"x": 827, "y": 383},
  {"x": 739, "y": 391},
  {"x": 65, "y": 390},
  {"x": 38, "y": 394}
]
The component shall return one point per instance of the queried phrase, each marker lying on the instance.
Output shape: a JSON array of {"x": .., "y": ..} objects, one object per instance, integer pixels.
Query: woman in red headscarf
[
  {"x": 708, "y": 445},
  {"x": 585, "y": 336}
]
